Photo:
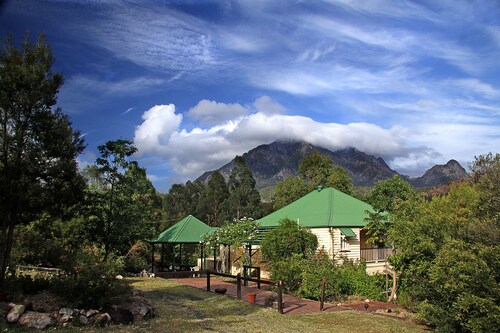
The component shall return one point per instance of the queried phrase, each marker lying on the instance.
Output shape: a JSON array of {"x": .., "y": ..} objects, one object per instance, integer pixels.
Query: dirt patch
[{"x": 45, "y": 301}]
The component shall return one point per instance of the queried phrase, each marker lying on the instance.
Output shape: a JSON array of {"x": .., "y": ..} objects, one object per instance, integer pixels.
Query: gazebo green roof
[
  {"x": 321, "y": 208},
  {"x": 187, "y": 230}
]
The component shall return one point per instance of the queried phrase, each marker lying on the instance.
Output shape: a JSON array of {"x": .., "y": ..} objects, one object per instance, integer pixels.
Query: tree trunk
[
  {"x": 6, "y": 246},
  {"x": 394, "y": 287}
]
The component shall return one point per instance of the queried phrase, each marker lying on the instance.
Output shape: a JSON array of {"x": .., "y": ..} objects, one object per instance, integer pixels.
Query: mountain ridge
[{"x": 271, "y": 163}]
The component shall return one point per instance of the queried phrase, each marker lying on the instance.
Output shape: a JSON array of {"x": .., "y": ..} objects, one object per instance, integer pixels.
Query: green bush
[
  {"x": 314, "y": 272},
  {"x": 341, "y": 280},
  {"x": 286, "y": 240},
  {"x": 135, "y": 264},
  {"x": 289, "y": 271},
  {"x": 16, "y": 286},
  {"x": 92, "y": 283}
]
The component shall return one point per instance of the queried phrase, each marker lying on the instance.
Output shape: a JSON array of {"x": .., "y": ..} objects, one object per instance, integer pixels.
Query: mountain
[
  {"x": 273, "y": 162},
  {"x": 440, "y": 175}
]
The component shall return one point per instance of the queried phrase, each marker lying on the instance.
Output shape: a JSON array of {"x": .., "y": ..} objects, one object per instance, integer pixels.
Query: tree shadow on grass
[{"x": 190, "y": 303}]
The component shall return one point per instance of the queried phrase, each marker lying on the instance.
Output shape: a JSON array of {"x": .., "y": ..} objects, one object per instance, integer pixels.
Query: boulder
[
  {"x": 15, "y": 313},
  {"x": 140, "y": 308},
  {"x": 120, "y": 315},
  {"x": 220, "y": 290},
  {"x": 101, "y": 319},
  {"x": 38, "y": 320},
  {"x": 28, "y": 305},
  {"x": 83, "y": 320},
  {"x": 90, "y": 313},
  {"x": 66, "y": 312}
]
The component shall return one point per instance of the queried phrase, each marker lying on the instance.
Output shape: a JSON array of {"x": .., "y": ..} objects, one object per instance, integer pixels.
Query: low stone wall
[{"x": 135, "y": 309}]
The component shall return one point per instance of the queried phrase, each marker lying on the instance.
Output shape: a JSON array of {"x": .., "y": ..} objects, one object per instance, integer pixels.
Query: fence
[
  {"x": 238, "y": 278},
  {"x": 375, "y": 254}
]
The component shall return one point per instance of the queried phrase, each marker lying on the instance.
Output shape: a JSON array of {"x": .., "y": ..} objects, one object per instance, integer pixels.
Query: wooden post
[
  {"x": 245, "y": 275},
  {"x": 180, "y": 256},
  {"x": 238, "y": 286},
  {"x": 215, "y": 258},
  {"x": 173, "y": 254},
  {"x": 386, "y": 285},
  {"x": 201, "y": 257},
  {"x": 162, "y": 257},
  {"x": 152, "y": 258},
  {"x": 249, "y": 254},
  {"x": 280, "y": 297},
  {"x": 229, "y": 259},
  {"x": 322, "y": 300},
  {"x": 208, "y": 280},
  {"x": 258, "y": 277}
]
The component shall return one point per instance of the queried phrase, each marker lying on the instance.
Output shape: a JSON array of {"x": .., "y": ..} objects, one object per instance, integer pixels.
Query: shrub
[
  {"x": 16, "y": 286},
  {"x": 135, "y": 264},
  {"x": 341, "y": 280},
  {"x": 289, "y": 271},
  {"x": 137, "y": 257},
  {"x": 286, "y": 240},
  {"x": 92, "y": 283}
]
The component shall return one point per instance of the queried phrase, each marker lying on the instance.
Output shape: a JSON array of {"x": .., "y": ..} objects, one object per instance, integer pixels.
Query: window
[{"x": 344, "y": 243}]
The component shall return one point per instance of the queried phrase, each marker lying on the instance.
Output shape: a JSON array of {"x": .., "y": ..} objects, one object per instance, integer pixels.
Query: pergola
[{"x": 189, "y": 230}]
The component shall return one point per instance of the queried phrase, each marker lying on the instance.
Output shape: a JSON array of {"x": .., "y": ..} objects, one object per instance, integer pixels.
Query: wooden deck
[{"x": 293, "y": 305}]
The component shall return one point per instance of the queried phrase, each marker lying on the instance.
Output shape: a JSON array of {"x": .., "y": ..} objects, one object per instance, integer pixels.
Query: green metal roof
[
  {"x": 321, "y": 208},
  {"x": 187, "y": 230},
  {"x": 347, "y": 232}
]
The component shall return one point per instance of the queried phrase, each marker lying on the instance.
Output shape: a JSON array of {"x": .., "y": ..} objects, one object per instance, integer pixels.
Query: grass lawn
[{"x": 181, "y": 308}]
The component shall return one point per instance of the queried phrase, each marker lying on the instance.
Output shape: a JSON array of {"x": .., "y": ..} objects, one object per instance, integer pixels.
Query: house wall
[
  {"x": 329, "y": 240},
  {"x": 324, "y": 240}
]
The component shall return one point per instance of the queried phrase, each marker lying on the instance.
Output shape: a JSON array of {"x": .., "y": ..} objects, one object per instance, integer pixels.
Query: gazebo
[{"x": 189, "y": 230}]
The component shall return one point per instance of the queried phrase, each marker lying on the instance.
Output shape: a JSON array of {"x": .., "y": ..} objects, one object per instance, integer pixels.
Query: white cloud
[
  {"x": 266, "y": 105},
  {"x": 190, "y": 153},
  {"x": 159, "y": 124},
  {"x": 212, "y": 112}
]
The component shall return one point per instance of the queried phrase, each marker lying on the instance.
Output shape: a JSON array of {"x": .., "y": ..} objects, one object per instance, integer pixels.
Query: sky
[{"x": 195, "y": 83}]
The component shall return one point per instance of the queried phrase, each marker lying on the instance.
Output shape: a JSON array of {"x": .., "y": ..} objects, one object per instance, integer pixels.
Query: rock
[
  {"x": 38, "y": 320},
  {"x": 220, "y": 290},
  {"x": 90, "y": 313},
  {"x": 137, "y": 292},
  {"x": 102, "y": 319},
  {"x": 28, "y": 305},
  {"x": 120, "y": 315},
  {"x": 66, "y": 312},
  {"x": 64, "y": 319},
  {"x": 15, "y": 313},
  {"x": 119, "y": 277},
  {"x": 83, "y": 320},
  {"x": 367, "y": 300},
  {"x": 140, "y": 308}
]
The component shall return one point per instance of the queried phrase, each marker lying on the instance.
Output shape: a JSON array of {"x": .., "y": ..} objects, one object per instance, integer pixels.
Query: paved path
[{"x": 293, "y": 305}]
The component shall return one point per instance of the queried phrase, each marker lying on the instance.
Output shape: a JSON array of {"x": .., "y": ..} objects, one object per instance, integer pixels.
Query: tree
[
  {"x": 385, "y": 196},
  {"x": 315, "y": 169},
  {"x": 287, "y": 240},
  {"x": 214, "y": 200},
  {"x": 388, "y": 192},
  {"x": 121, "y": 201},
  {"x": 339, "y": 179},
  {"x": 449, "y": 266},
  {"x": 244, "y": 199},
  {"x": 289, "y": 190},
  {"x": 38, "y": 147}
]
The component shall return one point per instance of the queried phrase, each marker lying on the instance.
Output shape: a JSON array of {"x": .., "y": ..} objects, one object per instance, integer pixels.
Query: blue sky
[{"x": 194, "y": 83}]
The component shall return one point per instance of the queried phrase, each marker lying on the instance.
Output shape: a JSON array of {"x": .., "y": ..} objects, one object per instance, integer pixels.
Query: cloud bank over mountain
[{"x": 191, "y": 152}]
